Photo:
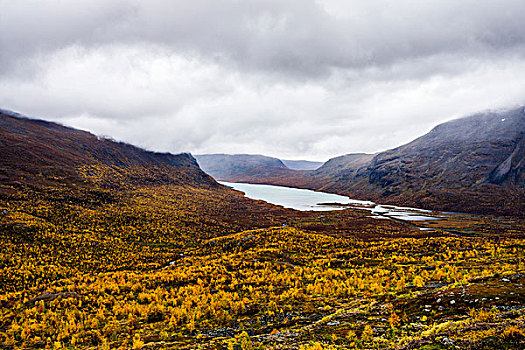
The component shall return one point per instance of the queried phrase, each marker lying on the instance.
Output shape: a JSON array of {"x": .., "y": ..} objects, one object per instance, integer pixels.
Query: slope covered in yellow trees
[
  {"x": 175, "y": 267},
  {"x": 111, "y": 253}
]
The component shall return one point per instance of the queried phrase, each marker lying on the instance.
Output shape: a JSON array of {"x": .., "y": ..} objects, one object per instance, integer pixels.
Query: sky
[{"x": 295, "y": 79}]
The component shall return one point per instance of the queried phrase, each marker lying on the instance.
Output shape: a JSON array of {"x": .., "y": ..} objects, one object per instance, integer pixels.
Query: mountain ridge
[
  {"x": 235, "y": 167},
  {"x": 35, "y": 150},
  {"x": 301, "y": 164},
  {"x": 475, "y": 164}
]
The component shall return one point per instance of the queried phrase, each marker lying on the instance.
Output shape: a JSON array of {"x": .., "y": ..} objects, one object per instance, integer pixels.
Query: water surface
[
  {"x": 305, "y": 200},
  {"x": 295, "y": 198}
]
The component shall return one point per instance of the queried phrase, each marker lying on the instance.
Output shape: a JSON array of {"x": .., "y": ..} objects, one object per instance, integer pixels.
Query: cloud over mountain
[{"x": 285, "y": 78}]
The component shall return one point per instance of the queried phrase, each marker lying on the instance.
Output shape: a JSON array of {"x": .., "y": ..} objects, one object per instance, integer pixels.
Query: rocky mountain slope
[{"x": 473, "y": 164}]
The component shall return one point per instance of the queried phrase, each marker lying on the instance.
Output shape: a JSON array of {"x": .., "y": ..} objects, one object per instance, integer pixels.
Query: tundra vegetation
[{"x": 109, "y": 263}]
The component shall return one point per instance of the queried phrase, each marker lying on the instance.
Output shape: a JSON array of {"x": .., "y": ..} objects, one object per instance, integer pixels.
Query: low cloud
[{"x": 293, "y": 79}]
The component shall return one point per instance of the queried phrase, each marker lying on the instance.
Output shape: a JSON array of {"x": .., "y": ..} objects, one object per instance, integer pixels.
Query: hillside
[
  {"x": 53, "y": 165},
  {"x": 35, "y": 150},
  {"x": 235, "y": 167},
  {"x": 487, "y": 148},
  {"x": 472, "y": 164},
  {"x": 301, "y": 164},
  {"x": 105, "y": 245}
]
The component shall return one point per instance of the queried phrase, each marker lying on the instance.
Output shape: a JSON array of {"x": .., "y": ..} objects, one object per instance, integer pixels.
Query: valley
[
  {"x": 108, "y": 246},
  {"x": 262, "y": 175},
  {"x": 473, "y": 164}
]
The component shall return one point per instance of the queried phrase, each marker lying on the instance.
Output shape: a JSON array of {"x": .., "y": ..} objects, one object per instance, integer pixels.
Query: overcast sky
[{"x": 298, "y": 79}]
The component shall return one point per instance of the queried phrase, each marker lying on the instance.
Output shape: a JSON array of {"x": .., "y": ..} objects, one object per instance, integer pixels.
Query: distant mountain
[
  {"x": 236, "y": 167},
  {"x": 34, "y": 151},
  {"x": 472, "y": 164},
  {"x": 344, "y": 168},
  {"x": 301, "y": 164}
]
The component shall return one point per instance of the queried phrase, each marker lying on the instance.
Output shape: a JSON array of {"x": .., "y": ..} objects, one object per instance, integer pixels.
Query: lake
[
  {"x": 295, "y": 198},
  {"x": 300, "y": 199}
]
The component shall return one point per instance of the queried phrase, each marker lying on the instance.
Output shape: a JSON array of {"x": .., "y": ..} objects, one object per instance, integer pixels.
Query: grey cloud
[
  {"x": 35, "y": 27},
  {"x": 294, "y": 79},
  {"x": 295, "y": 36}
]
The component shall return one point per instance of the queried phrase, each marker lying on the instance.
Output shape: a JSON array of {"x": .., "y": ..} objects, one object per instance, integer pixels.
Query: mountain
[
  {"x": 36, "y": 151},
  {"x": 486, "y": 148},
  {"x": 237, "y": 167},
  {"x": 471, "y": 164},
  {"x": 344, "y": 168},
  {"x": 301, "y": 164},
  {"x": 57, "y": 173}
]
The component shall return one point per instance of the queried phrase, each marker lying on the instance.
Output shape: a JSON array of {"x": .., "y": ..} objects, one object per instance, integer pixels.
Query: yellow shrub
[
  {"x": 513, "y": 332},
  {"x": 314, "y": 346},
  {"x": 482, "y": 315}
]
